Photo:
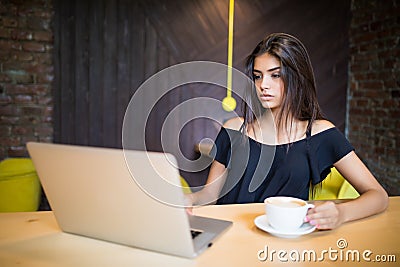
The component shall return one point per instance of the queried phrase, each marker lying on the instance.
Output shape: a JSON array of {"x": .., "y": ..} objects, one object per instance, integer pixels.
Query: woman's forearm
[
  {"x": 369, "y": 203},
  {"x": 203, "y": 197},
  {"x": 210, "y": 192}
]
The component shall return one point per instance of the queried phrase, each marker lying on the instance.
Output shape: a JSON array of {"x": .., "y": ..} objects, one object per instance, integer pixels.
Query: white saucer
[{"x": 262, "y": 223}]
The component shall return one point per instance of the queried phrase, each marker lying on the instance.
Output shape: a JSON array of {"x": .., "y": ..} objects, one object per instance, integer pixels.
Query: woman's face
[{"x": 268, "y": 81}]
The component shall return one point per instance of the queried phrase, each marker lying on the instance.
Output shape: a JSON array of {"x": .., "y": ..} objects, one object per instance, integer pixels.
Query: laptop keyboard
[{"x": 195, "y": 233}]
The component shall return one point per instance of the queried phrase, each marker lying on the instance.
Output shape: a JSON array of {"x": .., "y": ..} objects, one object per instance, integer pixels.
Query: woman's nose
[{"x": 265, "y": 83}]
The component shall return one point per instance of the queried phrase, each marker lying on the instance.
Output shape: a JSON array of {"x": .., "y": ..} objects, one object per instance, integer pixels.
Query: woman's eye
[
  {"x": 256, "y": 77},
  {"x": 276, "y": 75}
]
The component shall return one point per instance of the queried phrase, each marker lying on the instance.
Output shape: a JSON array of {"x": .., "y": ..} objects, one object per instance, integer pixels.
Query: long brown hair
[{"x": 300, "y": 96}]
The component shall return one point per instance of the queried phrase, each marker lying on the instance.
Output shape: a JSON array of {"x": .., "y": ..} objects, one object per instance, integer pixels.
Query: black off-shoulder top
[{"x": 257, "y": 171}]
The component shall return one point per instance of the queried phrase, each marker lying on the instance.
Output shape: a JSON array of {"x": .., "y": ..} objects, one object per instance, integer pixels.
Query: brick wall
[
  {"x": 374, "y": 88},
  {"x": 26, "y": 74}
]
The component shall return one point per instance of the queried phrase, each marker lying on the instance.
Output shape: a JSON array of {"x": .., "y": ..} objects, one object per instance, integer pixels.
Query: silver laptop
[{"x": 94, "y": 193}]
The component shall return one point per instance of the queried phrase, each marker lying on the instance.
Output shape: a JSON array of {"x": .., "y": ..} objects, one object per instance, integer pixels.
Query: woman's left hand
[{"x": 325, "y": 215}]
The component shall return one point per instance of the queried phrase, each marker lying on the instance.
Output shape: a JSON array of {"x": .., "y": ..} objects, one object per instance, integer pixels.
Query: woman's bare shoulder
[
  {"x": 320, "y": 126},
  {"x": 234, "y": 123}
]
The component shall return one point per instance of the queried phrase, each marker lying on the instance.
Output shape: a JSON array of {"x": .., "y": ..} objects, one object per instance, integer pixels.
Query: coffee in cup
[{"x": 286, "y": 213}]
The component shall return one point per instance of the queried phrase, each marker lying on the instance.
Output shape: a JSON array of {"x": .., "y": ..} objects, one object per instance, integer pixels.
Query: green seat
[
  {"x": 335, "y": 186},
  {"x": 20, "y": 188}
]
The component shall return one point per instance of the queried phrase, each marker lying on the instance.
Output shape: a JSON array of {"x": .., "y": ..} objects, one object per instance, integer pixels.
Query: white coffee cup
[{"x": 286, "y": 213}]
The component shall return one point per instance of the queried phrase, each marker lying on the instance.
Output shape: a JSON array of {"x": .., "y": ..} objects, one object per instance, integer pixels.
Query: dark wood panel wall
[{"x": 105, "y": 49}]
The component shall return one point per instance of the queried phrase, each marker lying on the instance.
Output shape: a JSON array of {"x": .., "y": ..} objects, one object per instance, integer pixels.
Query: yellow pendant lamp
[{"x": 229, "y": 103}]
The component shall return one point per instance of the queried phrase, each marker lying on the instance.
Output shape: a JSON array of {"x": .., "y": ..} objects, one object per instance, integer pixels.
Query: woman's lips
[{"x": 266, "y": 97}]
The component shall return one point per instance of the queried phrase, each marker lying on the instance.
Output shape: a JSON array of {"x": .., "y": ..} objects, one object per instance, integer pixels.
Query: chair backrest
[
  {"x": 185, "y": 186},
  {"x": 335, "y": 186}
]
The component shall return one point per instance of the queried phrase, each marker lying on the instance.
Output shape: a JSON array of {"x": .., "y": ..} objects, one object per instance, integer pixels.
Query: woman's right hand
[{"x": 188, "y": 202}]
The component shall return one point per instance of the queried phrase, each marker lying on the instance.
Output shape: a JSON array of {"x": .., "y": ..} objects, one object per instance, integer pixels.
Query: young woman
[{"x": 283, "y": 145}]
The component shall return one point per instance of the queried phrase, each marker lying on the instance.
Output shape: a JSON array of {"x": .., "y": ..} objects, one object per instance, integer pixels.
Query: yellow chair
[
  {"x": 335, "y": 186},
  {"x": 185, "y": 186},
  {"x": 19, "y": 185}
]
